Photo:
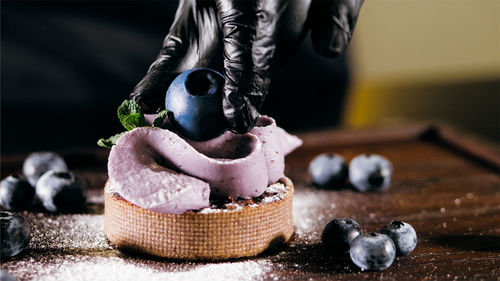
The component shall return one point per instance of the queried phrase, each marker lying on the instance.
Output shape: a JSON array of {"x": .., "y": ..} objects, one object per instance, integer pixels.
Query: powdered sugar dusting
[
  {"x": 306, "y": 205},
  {"x": 74, "y": 247},
  {"x": 102, "y": 268},
  {"x": 112, "y": 265},
  {"x": 229, "y": 207},
  {"x": 67, "y": 231},
  {"x": 278, "y": 191},
  {"x": 274, "y": 192}
]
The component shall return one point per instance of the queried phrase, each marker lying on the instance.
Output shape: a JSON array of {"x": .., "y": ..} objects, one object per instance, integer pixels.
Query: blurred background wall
[
  {"x": 67, "y": 65},
  {"x": 427, "y": 60}
]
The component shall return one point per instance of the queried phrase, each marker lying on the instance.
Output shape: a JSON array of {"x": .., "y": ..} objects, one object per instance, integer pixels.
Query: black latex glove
[{"x": 257, "y": 37}]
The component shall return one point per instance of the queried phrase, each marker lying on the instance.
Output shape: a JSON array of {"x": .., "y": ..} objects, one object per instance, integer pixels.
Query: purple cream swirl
[{"x": 158, "y": 170}]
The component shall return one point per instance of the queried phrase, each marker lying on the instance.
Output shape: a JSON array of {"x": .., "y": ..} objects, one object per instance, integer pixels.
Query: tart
[
  {"x": 237, "y": 229},
  {"x": 164, "y": 193},
  {"x": 186, "y": 187}
]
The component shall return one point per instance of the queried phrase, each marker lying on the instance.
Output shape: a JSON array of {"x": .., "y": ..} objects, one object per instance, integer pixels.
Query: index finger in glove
[{"x": 237, "y": 19}]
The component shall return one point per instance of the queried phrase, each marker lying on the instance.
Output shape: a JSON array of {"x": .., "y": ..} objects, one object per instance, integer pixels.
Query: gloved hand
[{"x": 257, "y": 37}]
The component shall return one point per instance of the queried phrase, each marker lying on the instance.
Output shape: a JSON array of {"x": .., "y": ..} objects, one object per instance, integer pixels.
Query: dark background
[{"x": 66, "y": 66}]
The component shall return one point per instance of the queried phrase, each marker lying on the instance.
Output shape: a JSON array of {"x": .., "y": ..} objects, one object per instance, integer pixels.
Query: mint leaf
[
  {"x": 108, "y": 143},
  {"x": 159, "y": 118},
  {"x": 130, "y": 115}
]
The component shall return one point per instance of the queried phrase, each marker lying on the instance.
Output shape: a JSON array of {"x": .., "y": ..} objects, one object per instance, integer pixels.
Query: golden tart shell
[{"x": 214, "y": 235}]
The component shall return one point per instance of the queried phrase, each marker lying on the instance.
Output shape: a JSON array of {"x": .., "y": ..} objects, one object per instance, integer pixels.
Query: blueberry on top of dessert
[{"x": 195, "y": 100}]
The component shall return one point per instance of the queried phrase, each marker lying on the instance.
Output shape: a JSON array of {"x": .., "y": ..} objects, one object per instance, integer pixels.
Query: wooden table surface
[{"x": 445, "y": 185}]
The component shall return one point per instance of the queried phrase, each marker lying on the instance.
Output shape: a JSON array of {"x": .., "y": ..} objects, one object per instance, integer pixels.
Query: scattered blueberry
[
  {"x": 339, "y": 234},
  {"x": 372, "y": 251},
  {"x": 61, "y": 191},
  {"x": 403, "y": 235},
  {"x": 195, "y": 99},
  {"x": 6, "y": 276},
  {"x": 328, "y": 170},
  {"x": 15, "y": 193},
  {"x": 370, "y": 172},
  {"x": 16, "y": 234},
  {"x": 37, "y": 163}
]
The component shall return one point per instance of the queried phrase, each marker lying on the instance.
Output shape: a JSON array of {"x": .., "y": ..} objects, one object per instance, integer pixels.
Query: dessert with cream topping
[{"x": 176, "y": 197}]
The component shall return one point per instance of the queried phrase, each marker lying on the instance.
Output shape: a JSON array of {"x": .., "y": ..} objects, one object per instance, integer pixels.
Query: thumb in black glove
[{"x": 258, "y": 39}]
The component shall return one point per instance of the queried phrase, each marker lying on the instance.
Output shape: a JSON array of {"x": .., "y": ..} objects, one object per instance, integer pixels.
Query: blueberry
[
  {"x": 15, "y": 193},
  {"x": 61, "y": 191},
  {"x": 372, "y": 251},
  {"x": 370, "y": 172},
  {"x": 328, "y": 170},
  {"x": 403, "y": 235},
  {"x": 339, "y": 234},
  {"x": 6, "y": 276},
  {"x": 16, "y": 234},
  {"x": 37, "y": 163},
  {"x": 195, "y": 100}
]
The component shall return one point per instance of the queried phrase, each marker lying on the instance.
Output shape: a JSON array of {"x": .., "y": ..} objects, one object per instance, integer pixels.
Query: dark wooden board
[{"x": 445, "y": 184}]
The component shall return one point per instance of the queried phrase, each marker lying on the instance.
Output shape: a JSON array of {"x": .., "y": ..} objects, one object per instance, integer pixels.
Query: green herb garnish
[
  {"x": 109, "y": 142},
  {"x": 131, "y": 115},
  {"x": 160, "y": 117}
]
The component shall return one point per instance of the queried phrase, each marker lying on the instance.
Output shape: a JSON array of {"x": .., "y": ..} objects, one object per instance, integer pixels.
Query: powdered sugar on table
[{"x": 73, "y": 247}]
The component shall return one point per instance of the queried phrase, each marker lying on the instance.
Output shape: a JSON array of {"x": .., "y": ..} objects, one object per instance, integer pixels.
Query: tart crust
[{"x": 216, "y": 235}]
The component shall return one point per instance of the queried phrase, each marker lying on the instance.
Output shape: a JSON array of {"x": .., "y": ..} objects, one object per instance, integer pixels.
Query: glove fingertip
[{"x": 240, "y": 117}]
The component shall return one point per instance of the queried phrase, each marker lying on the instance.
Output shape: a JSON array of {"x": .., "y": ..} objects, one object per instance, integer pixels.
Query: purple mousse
[{"x": 158, "y": 170}]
